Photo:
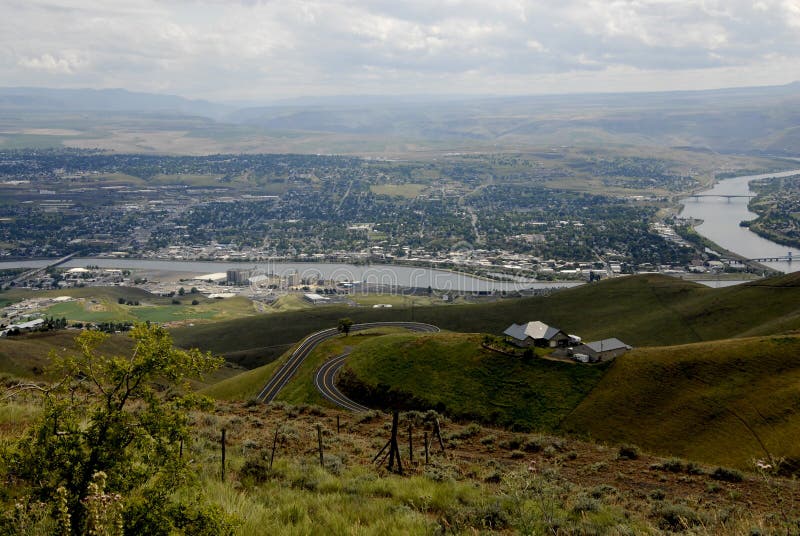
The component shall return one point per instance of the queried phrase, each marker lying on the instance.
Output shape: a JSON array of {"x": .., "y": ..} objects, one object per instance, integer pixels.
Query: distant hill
[
  {"x": 34, "y": 99},
  {"x": 755, "y": 120}
]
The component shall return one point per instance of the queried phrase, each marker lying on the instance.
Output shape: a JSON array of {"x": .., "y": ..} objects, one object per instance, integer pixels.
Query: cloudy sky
[{"x": 260, "y": 50}]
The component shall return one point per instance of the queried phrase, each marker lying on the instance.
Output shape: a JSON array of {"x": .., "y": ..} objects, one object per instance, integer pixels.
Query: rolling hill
[
  {"x": 727, "y": 402},
  {"x": 645, "y": 310}
]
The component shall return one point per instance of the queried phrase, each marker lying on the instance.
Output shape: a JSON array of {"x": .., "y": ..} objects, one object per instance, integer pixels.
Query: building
[
  {"x": 536, "y": 334},
  {"x": 315, "y": 298},
  {"x": 23, "y": 327},
  {"x": 602, "y": 350},
  {"x": 238, "y": 277}
]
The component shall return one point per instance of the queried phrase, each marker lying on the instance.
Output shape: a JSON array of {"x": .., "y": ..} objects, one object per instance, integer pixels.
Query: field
[
  {"x": 409, "y": 191},
  {"x": 453, "y": 373},
  {"x": 101, "y": 304}
]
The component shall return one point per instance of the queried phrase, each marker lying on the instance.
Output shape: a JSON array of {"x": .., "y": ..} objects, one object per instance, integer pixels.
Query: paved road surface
[{"x": 288, "y": 369}]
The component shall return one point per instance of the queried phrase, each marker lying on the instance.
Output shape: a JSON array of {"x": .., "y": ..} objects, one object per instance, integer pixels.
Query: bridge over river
[{"x": 726, "y": 196}]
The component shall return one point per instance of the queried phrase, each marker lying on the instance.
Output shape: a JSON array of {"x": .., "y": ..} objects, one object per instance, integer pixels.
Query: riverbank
[{"x": 721, "y": 210}]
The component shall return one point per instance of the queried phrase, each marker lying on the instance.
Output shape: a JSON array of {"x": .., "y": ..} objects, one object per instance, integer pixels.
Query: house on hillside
[
  {"x": 602, "y": 350},
  {"x": 536, "y": 334}
]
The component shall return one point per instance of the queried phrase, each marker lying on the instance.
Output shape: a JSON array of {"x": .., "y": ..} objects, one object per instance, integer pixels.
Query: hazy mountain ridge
[{"x": 756, "y": 120}]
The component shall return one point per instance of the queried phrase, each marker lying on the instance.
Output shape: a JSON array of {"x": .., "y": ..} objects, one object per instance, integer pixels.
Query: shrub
[
  {"x": 511, "y": 444},
  {"x": 628, "y": 452},
  {"x": 676, "y": 517},
  {"x": 673, "y": 465},
  {"x": 727, "y": 475},
  {"x": 534, "y": 444}
]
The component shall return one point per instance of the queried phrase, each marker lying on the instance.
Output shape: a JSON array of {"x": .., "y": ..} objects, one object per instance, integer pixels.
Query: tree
[
  {"x": 344, "y": 326},
  {"x": 120, "y": 416}
]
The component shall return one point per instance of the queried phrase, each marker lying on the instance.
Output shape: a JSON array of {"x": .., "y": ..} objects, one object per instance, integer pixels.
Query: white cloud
[{"x": 217, "y": 48}]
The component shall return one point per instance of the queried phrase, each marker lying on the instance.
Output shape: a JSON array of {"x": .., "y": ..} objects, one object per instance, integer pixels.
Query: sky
[{"x": 257, "y": 51}]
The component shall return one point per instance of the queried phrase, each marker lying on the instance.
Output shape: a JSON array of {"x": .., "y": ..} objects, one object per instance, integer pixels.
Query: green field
[
  {"x": 453, "y": 373},
  {"x": 409, "y": 191},
  {"x": 102, "y": 306},
  {"x": 715, "y": 402}
]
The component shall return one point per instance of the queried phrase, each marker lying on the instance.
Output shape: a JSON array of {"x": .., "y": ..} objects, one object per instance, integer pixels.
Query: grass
[
  {"x": 245, "y": 385},
  {"x": 453, "y": 373},
  {"x": 647, "y": 310},
  {"x": 715, "y": 402},
  {"x": 27, "y": 356},
  {"x": 301, "y": 389},
  {"x": 104, "y": 307},
  {"x": 408, "y": 191}
]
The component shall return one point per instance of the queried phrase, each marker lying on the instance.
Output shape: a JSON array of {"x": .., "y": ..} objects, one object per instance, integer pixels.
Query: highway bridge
[
  {"x": 728, "y": 197},
  {"x": 325, "y": 381}
]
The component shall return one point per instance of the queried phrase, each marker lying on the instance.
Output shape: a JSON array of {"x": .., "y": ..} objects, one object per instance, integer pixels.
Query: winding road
[{"x": 325, "y": 377}]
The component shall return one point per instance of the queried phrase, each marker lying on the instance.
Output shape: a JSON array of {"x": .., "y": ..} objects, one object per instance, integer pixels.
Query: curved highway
[
  {"x": 288, "y": 369},
  {"x": 325, "y": 382}
]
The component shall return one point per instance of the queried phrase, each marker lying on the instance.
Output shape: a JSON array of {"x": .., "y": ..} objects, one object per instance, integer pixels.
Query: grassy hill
[
  {"x": 717, "y": 401},
  {"x": 27, "y": 356},
  {"x": 454, "y": 373},
  {"x": 646, "y": 310},
  {"x": 725, "y": 402}
]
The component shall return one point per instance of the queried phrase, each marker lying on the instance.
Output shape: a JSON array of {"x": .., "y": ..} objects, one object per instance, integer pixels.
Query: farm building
[
  {"x": 536, "y": 334},
  {"x": 602, "y": 350}
]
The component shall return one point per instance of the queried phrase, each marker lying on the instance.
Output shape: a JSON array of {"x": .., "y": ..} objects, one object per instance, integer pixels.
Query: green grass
[
  {"x": 453, "y": 373},
  {"x": 301, "y": 389},
  {"x": 707, "y": 401},
  {"x": 27, "y": 356},
  {"x": 102, "y": 306},
  {"x": 246, "y": 385},
  {"x": 647, "y": 310},
  {"x": 408, "y": 191}
]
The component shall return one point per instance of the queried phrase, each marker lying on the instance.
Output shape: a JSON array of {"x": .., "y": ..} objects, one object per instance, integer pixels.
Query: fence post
[
  {"x": 274, "y": 445},
  {"x": 410, "y": 445},
  {"x": 426, "y": 447},
  {"x": 337, "y": 425},
  {"x": 223, "y": 454},
  {"x": 319, "y": 440}
]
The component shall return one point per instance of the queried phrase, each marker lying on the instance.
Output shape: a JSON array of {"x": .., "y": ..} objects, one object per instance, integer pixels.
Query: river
[
  {"x": 721, "y": 217},
  {"x": 375, "y": 274}
]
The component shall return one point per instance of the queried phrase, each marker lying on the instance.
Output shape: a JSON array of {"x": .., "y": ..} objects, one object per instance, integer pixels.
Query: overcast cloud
[{"x": 259, "y": 50}]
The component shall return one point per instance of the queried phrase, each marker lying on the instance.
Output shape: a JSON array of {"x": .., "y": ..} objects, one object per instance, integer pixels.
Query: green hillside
[
  {"x": 646, "y": 310},
  {"x": 27, "y": 356},
  {"x": 726, "y": 402},
  {"x": 709, "y": 401},
  {"x": 452, "y": 372}
]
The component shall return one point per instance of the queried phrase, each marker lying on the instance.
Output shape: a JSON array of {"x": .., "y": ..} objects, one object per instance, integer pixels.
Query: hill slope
[
  {"x": 646, "y": 310},
  {"x": 715, "y": 401},
  {"x": 452, "y": 372}
]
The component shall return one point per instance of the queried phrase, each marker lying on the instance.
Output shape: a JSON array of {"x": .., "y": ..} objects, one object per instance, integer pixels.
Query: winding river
[{"x": 721, "y": 217}]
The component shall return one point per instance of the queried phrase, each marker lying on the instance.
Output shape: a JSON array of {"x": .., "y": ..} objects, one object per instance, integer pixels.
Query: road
[
  {"x": 285, "y": 373},
  {"x": 325, "y": 382}
]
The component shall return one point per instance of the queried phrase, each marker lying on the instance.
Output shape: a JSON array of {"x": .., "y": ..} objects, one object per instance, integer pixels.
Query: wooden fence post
[
  {"x": 274, "y": 445},
  {"x": 426, "y": 447},
  {"x": 337, "y": 425},
  {"x": 223, "y": 454},
  {"x": 410, "y": 445},
  {"x": 319, "y": 439}
]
